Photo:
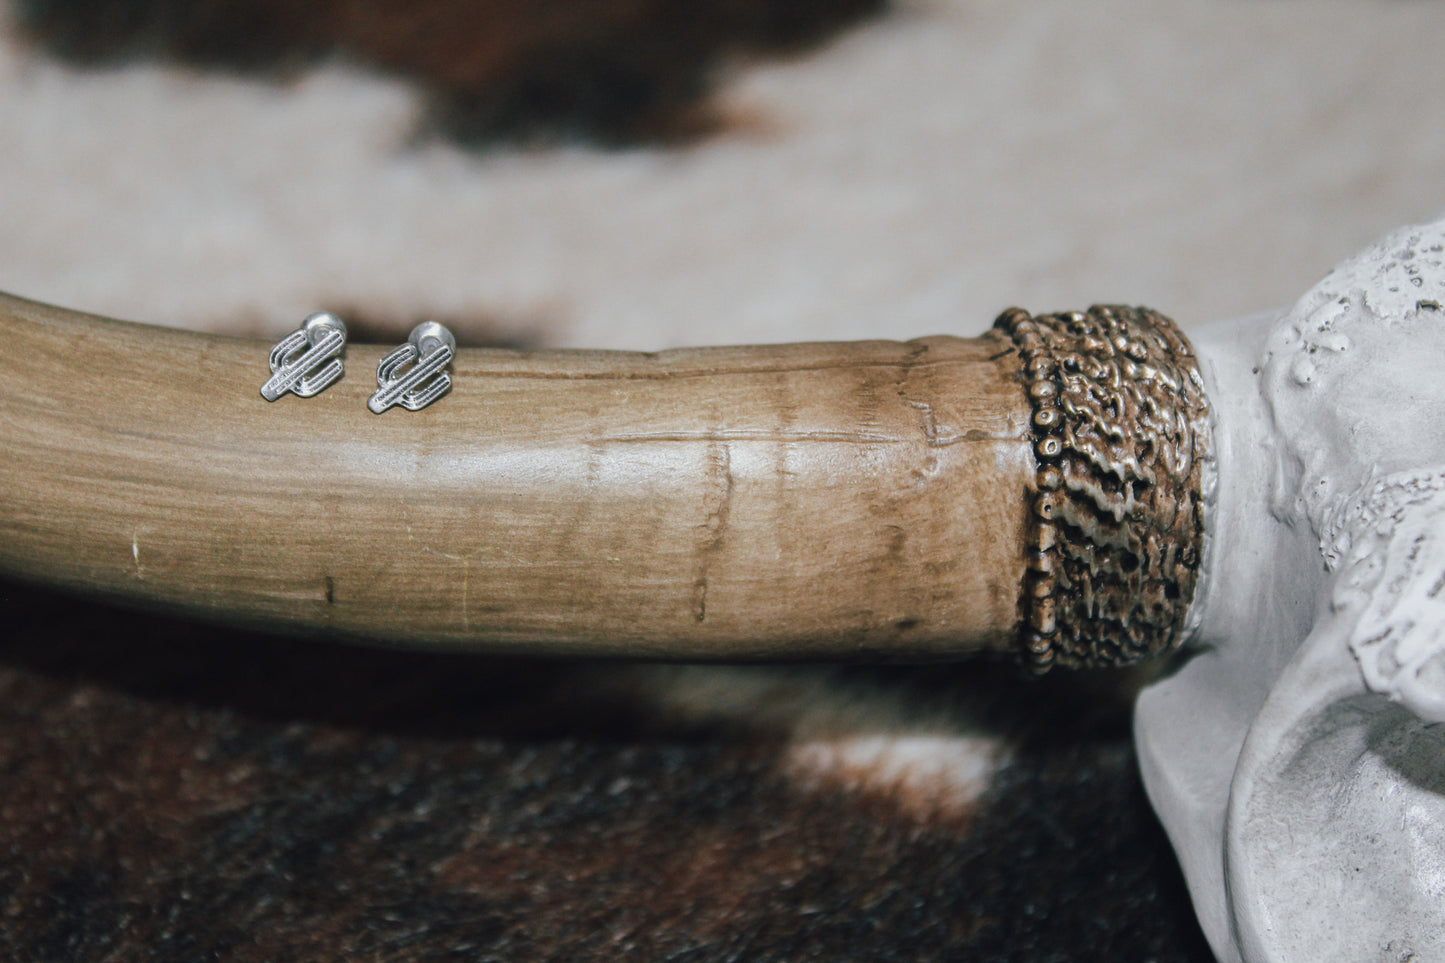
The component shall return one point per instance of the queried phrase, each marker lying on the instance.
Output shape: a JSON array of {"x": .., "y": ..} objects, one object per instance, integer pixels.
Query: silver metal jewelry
[
  {"x": 306, "y": 361},
  {"x": 428, "y": 349}
]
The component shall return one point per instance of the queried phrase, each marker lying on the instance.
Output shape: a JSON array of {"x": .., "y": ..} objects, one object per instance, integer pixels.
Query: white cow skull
[{"x": 1296, "y": 752}]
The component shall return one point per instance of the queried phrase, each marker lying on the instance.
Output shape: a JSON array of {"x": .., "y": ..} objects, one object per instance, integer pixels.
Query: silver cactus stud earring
[
  {"x": 307, "y": 361},
  {"x": 428, "y": 350}
]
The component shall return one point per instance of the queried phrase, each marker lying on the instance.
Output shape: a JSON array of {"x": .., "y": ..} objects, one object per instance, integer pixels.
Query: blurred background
[{"x": 651, "y": 173}]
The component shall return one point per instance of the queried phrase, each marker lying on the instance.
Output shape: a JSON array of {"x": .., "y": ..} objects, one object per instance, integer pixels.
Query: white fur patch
[
  {"x": 914, "y": 177},
  {"x": 924, "y": 755},
  {"x": 925, "y": 773}
]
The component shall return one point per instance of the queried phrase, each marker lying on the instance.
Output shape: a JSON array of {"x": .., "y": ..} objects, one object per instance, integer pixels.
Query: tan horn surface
[{"x": 805, "y": 501}]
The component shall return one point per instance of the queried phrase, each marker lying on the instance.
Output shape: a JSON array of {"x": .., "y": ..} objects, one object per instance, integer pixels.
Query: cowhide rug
[
  {"x": 177, "y": 792},
  {"x": 636, "y": 174}
]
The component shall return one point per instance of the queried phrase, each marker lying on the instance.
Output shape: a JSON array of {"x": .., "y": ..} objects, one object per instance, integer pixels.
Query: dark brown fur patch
[
  {"x": 607, "y": 71},
  {"x": 175, "y": 791}
]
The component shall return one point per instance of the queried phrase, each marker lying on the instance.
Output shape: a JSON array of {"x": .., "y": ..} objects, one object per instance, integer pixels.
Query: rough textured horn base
[{"x": 1121, "y": 433}]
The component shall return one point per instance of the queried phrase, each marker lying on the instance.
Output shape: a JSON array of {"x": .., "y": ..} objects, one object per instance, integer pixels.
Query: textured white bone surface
[{"x": 1296, "y": 754}]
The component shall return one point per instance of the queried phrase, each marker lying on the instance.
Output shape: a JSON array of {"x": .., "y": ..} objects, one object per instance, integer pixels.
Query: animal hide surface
[
  {"x": 176, "y": 792},
  {"x": 634, "y": 174}
]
